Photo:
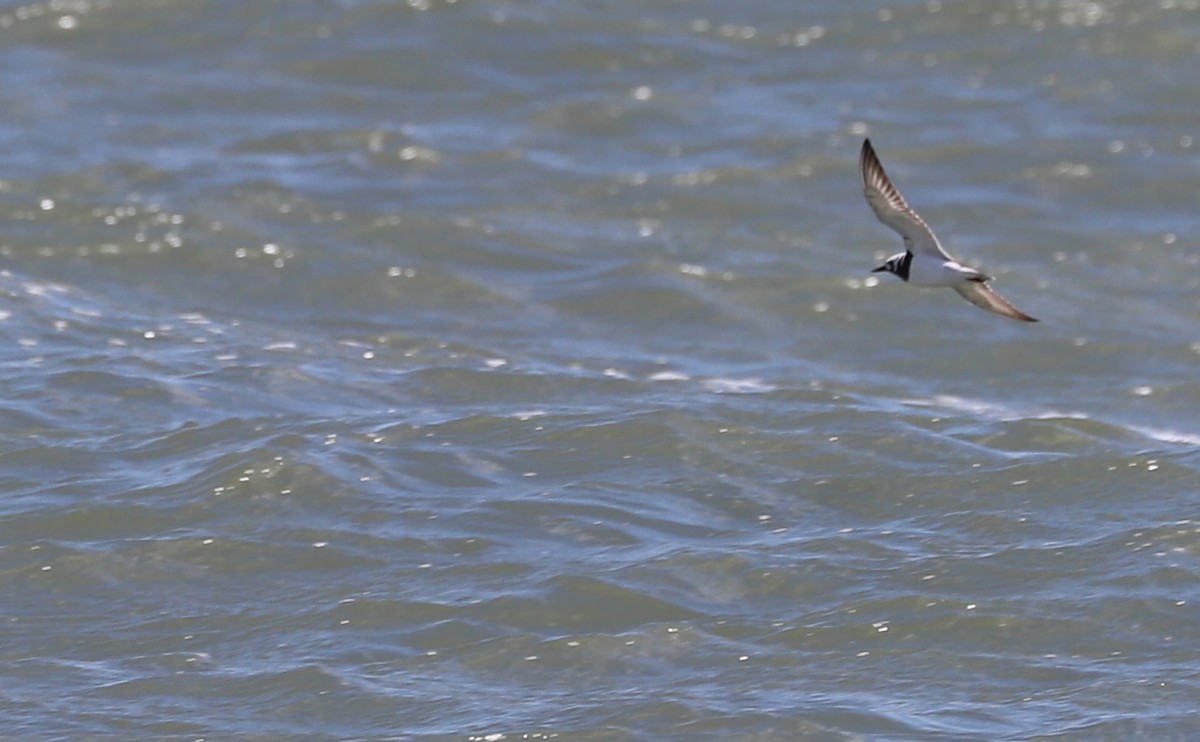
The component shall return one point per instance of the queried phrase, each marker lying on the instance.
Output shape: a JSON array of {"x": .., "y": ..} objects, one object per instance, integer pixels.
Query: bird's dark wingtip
[{"x": 867, "y": 158}]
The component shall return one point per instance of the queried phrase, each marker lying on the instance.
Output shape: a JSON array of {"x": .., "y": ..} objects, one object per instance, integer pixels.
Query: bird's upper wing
[
  {"x": 891, "y": 208},
  {"x": 982, "y": 296}
]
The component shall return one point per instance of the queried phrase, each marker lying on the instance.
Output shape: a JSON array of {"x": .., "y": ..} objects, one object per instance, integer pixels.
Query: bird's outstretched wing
[
  {"x": 891, "y": 208},
  {"x": 982, "y": 296}
]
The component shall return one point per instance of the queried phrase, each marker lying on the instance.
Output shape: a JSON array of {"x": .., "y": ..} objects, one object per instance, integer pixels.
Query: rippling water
[{"x": 465, "y": 370}]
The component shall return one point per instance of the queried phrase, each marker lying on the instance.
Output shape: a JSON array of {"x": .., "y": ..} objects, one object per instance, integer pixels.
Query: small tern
[{"x": 924, "y": 261}]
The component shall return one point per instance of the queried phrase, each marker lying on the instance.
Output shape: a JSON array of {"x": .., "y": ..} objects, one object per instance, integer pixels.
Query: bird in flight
[{"x": 924, "y": 261}]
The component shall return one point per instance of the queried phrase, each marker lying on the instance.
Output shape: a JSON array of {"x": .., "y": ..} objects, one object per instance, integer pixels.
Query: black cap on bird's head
[{"x": 898, "y": 264}]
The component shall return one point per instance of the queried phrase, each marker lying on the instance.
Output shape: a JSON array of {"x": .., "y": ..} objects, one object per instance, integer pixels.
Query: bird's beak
[{"x": 880, "y": 269}]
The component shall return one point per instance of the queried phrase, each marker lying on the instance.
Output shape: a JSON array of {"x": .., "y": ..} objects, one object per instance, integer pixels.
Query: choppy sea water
[{"x": 474, "y": 370}]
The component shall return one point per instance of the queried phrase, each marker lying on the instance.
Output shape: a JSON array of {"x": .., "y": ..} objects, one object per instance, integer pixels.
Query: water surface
[{"x": 513, "y": 370}]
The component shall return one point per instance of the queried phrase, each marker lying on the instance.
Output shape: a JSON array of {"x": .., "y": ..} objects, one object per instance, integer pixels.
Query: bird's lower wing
[{"x": 983, "y": 297}]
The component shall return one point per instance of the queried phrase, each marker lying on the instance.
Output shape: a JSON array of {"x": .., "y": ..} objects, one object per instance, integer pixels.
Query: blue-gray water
[{"x": 474, "y": 370}]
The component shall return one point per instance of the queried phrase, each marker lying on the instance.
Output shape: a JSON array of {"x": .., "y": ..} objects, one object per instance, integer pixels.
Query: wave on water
[
  {"x": 1007, "y": 412},
  {"x": 1001, "y": 412}
]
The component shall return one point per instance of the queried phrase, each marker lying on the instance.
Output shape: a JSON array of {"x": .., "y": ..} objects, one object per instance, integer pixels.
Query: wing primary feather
[
  {"x": 875, "y": 178},
  {"x": 891, "y": 208},
  {"x": 982, "y": 296}
]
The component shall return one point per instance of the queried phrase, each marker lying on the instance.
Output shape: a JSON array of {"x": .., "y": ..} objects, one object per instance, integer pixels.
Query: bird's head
[{"x": 897, "y": 264}]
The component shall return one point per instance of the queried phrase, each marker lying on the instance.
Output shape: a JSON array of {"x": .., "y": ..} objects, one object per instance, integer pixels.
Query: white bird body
[
  {"x": 931, "y": 274},
  {"x": 924, "y": 262}
]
